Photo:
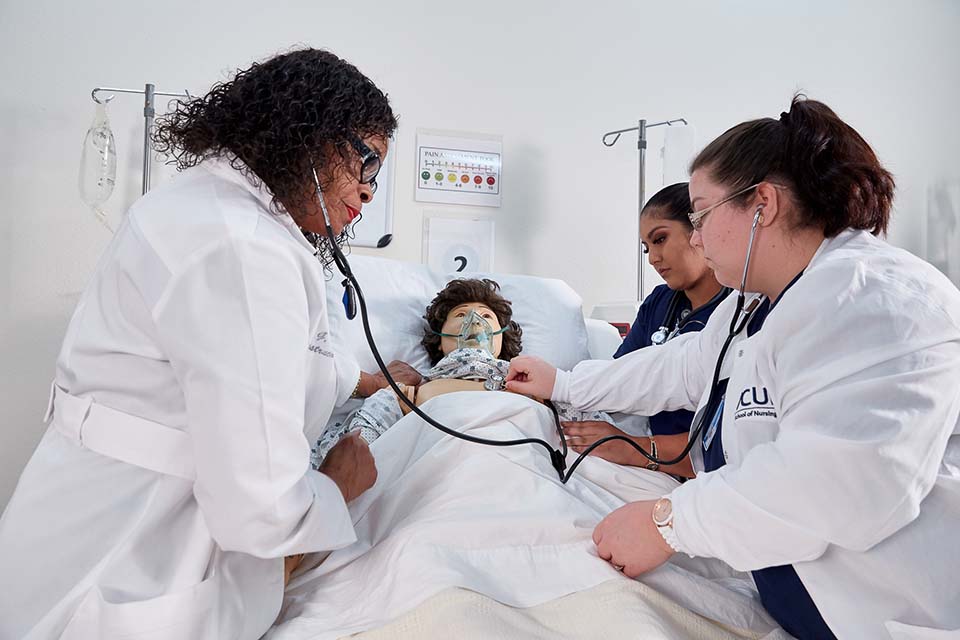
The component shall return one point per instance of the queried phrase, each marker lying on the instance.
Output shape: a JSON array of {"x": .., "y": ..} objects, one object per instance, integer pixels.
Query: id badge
[{"x": 707, "y": 439}]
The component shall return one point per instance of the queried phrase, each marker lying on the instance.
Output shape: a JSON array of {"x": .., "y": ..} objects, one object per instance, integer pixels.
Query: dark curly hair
[
  {"x": 275, "y": 118},
  {"x": 458, "y": 292}
]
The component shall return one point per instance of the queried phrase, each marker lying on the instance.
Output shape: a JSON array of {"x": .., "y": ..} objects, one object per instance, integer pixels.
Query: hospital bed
[{"x": 460, "y": 540}]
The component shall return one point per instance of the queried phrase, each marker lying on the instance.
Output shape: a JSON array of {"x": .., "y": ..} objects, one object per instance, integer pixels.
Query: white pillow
[{"x": 397, "y": 294}]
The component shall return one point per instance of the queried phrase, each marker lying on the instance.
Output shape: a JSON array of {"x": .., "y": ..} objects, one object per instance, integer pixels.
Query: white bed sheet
[{"x": 447, "y": 513}]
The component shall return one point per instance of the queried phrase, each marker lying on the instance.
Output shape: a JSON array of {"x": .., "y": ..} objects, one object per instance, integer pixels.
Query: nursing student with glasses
[
  {"x": 682, "y": 305},
  {"x": 196, "y": 368},
  {"x": 830, "y": 392}
]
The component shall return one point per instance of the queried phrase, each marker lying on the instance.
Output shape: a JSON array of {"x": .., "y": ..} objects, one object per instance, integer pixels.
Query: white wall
[{"x": 549, "y": 79}]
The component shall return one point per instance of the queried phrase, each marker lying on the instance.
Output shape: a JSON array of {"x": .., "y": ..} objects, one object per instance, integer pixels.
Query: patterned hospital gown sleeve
[
  {"x": 378, "y": 413},
  {"x": 381, "y": 410}
]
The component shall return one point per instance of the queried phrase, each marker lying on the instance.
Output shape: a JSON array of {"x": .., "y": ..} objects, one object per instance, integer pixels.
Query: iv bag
[{"x": 98, "y": 163}]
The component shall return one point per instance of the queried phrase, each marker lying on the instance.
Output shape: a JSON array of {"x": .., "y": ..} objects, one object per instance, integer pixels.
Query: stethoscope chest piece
[{"x": 661, "y": 335}]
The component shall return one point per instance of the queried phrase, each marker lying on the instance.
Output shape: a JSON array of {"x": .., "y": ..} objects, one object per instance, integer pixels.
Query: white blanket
[{"x": 495, "y": 520}]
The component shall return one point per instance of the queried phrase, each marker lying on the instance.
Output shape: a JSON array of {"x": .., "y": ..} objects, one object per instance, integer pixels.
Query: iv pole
[
  {"x": 641, "y": 130},
  {"x": 149, "y": 111}
]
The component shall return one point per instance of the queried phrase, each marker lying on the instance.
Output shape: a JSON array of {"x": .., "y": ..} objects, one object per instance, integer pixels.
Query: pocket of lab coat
[{"x": 187, "y": 614}]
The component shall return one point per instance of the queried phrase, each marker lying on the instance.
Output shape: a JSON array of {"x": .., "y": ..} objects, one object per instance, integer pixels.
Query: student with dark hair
[
  {"x": 174, "y": 476},
  {"x": 682, "y": 305},
  {"x": 827, "y": 461}
]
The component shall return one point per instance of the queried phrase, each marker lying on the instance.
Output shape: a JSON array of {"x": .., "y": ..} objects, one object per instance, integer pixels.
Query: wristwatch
[
  {"x": 663, "y": 519},
  {"x": 653, "y": 466}
]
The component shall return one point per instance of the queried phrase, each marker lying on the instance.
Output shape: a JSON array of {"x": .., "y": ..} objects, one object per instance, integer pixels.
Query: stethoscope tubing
[{"x": 557, "y": 456}]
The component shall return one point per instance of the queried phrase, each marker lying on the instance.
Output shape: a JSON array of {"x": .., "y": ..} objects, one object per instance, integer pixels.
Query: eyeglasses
[
  {"x": 696, "y": 217},
  {"x": 370, "y": 163}
]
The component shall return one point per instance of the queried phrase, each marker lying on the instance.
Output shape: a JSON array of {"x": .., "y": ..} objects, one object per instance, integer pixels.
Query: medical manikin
[{"x": 470, "y": 339}]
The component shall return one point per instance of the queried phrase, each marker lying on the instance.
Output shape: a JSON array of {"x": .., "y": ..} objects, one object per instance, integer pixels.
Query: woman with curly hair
[{"x": 175, "y": 477}]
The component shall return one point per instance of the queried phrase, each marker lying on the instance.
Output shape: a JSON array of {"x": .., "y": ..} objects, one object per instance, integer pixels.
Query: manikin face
[
  {"x": 343, "y": 192},
  {"x": 454, "y": 322}
]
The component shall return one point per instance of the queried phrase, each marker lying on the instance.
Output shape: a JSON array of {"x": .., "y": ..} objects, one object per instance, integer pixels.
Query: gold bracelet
[
  {"x": 356, "y": 389},
  {"x": 653, "y": 466}
]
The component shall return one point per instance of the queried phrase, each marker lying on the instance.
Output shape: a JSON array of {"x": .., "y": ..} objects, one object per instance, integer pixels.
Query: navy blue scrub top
[
  {"x": 781, "y": 590},
  {"x": 652, "y": 316}
]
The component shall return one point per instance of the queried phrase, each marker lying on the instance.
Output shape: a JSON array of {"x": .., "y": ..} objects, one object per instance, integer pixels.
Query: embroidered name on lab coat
[
  {"x": 755, "y": 402},
  {"x": 319, "y": 344}
]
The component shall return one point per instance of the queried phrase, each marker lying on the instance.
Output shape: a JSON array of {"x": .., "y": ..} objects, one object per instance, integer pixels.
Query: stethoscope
[
  {"x": 665, "y": 333},
  {"x": 353, "y": 299}
]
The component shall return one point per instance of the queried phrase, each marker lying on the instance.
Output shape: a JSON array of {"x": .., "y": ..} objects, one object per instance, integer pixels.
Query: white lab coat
[
  {"x": 840, "y": 432},
  {"x": 205, "y": 323}
]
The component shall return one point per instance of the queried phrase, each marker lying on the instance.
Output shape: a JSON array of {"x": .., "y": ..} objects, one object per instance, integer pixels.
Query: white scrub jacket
[
  {"x": 850, "y": 469},
  {"x": 174, "y": 476}
]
